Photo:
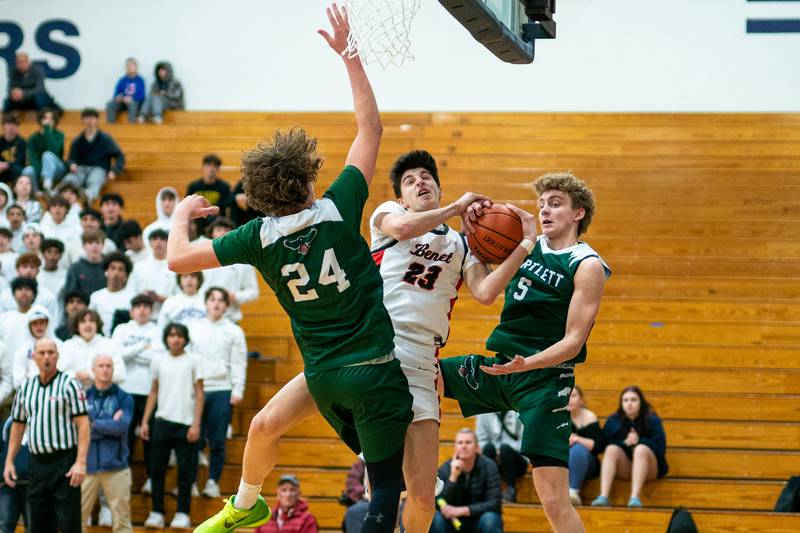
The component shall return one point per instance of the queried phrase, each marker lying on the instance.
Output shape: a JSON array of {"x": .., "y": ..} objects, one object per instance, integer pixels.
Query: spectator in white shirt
[
  {"x": 166, "y": 200},
  {"x": 117, "y": 295},
  {"x": 14, "y": 322},
  {"x": 138, "y": 341},
  {"x": 78, "y": 352},
  {"x": 90, "y": 220},
  {"x": 28, "y": 265},
  {"x": 152, "y": 277},
  {"x": 76, "y": 199},
  {"x": 56, "y": 225},
  {"x": 8, "y": 257},
  {"x": 6, "y": 373},
  {"x": 186, "y": 306},
  {"x": 16, "y": 219},
  {"x": 221, "y": 346},
  {"x": 176, "y": 398},
  {"x": 239, "y": 280},
  {"x": 51, "y": 275},
  {"x": 31, "y": 238},
  {"x": 131, "y": 235},
  {"x": 24, "y": 365}
]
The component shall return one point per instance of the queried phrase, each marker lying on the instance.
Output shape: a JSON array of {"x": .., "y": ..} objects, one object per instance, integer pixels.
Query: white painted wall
[{"x": 610, "y": 55}]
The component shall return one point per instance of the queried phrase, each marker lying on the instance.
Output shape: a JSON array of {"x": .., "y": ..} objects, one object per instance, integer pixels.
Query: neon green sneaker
[{"x": 230, "y": 518}]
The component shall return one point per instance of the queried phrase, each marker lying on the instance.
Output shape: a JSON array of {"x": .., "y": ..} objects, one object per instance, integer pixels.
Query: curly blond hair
[
  {"x": 276, "y": 174},
  {"x": 579, "y": 193}
]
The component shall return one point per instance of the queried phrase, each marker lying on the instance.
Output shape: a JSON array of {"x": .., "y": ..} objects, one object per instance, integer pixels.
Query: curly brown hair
[
  {"x": 579, "y": 193},
  {"x": 276, "y": 174}
]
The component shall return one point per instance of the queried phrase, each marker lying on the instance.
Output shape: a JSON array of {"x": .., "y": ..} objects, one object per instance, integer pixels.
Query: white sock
[{"x": 247, "y": 495}]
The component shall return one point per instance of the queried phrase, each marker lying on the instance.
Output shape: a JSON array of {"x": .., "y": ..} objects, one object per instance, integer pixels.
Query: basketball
[{"x": 497, "y": 232}]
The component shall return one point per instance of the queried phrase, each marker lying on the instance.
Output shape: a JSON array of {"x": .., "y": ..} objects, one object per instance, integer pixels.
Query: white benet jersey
[{"x": 421, "y": 277}]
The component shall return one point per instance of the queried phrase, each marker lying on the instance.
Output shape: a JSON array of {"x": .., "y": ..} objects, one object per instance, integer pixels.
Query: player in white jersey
[{"x": 423, "y": 262}]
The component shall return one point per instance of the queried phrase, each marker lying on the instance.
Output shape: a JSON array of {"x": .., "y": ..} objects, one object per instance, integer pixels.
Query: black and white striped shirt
[{"x": 48, "y": 410}]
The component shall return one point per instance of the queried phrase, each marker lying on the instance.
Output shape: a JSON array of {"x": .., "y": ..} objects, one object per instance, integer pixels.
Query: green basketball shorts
[
  {"x": 369, "y": 406},
  {"x": 539, "y": 396}
]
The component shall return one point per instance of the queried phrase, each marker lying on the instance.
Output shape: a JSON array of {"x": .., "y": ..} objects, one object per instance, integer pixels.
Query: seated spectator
[
  {"x": 211, "y": 187},
  {"x": 636, "y": 447},
  {"x": 239, "y": 280},
  {"x": 131, "y": 234},
  {"x": 90, "y": 219},
  {"x": 290, "y": 513},
  {"x": 56, "y": 225},
  {"x": 8, "y": 257},
  {"x": 166, "y": 200},
  {"x": 16, "y": 219},
  {"x": 129, "y": 93},
  {"x": 14, "y": 500},
  {"x": 116, "y": 295},
  {"x": 46, "y": 152},
  {"x": 24, "y": 366},
  {"x": 176, "y": 400},
  {"x": 73, "y": 302},
  {"x": 111, "y": 205},
  {"x": 90, "y": 156},
  {"x": 138, "y": 341},
  {"x": 500, "y": 439},
  {"x": 12, "y": 150},
  {"x": 110, "y": 412},
  {"x": 240, "y": 211},
  {"x": 6, "y": 200},
  {"x": 586, "y": 443},
  {"x": 221, "y": 346},
  {"x": 354, "y": 498},
  {"x": 26, "y": 86},
  {"x": 186, "y": 306},
  {"x": 52, "y": 275},
  {"x": 14, "y": 322},
  {"x": 471, "y": 491},
  {"x": 86, "y": 275},
  {"x": 166, "y": 92},
  {"x": 23, "y": 197},
  {"x": 32, "y": 238},
  {"x": 76, "y": 199},
  {"x": 152, "y": 277},
  {"x": 28, "y": 265},
  {"x": 88, "y": 341}
]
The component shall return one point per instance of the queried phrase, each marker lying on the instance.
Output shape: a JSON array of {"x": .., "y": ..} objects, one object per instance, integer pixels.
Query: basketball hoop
[{"x": 379, "y": 30}]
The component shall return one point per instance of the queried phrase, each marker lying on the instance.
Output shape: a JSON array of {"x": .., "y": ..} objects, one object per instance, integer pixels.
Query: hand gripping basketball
[{"x": 498, "y": 232}]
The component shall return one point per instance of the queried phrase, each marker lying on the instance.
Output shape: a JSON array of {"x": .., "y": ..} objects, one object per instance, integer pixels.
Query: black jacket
[
  {"x": 97, "y": 153},
  {"x": 478, "y": 489}
]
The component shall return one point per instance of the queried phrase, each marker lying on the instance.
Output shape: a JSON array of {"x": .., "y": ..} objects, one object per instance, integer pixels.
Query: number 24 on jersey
[{"x": 329, "y": 273}]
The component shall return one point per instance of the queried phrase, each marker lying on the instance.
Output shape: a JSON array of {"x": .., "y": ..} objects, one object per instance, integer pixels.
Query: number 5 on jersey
[{"x": 328, "y": 274}]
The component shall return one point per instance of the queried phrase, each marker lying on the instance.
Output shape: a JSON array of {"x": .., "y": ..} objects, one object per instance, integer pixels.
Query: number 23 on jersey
[{"x": 329, "y": 273}]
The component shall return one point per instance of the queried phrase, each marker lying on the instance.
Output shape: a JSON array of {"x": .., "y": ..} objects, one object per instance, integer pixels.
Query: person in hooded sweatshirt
[
  {"x": 138, "y": 341},
  {"x": 6, "y": 200},
  {"x": 221, "y": 346},
  {"x": 166, "y": 200},
  {"x": 166, "y": 92},
  {"x": 152, "y": 277},
  {"x": 24, "y": 367},
  {"x": 186, "y": 306}
]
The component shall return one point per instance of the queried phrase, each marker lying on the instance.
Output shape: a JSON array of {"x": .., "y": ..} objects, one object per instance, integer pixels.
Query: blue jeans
[
  {"x": 113, "y": 107},
  {"x": 153, "y": 106},
  {"x": 53, "y": 168},
  {"x": 354, "y": 516},
  {"x": 582, "y": 466},
  {"x": 488, "y": 522},
  {"x": 91, "y": 179},
  {"x": 216, "y": 417},
  {"x": 37, "y": 101},
  {"x": 12, "y": 505}
]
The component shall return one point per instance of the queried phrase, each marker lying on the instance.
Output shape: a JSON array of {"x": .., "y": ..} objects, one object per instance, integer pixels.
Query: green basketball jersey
[
  {"x": 321, "y": 270},
  {"x": 537, "y": 300}
]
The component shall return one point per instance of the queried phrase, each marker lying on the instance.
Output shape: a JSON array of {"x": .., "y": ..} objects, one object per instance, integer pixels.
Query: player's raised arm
[
  {"x": 411, "y": 224},
  {"x": 364, "y": 150},
  {"x": 184, "y": 256}
]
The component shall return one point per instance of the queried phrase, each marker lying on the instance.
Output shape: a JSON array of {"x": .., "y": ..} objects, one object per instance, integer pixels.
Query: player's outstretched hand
[
  {"x": 528, "y": 222},
  {"x": 471, "y": 206},
  {"x": 515, "y": 365},
  {"x": 196, "y": 206},
  {"x": 340, "y": 26}
]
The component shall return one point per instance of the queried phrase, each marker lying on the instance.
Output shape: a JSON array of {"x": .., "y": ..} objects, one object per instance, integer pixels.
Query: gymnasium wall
[{"x": 610, "y": 55}]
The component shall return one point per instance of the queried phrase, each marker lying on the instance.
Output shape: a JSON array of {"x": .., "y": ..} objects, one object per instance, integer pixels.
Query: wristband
[{"x": 528, "y": 245}]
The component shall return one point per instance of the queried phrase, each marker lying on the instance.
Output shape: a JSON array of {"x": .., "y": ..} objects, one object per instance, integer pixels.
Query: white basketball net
[{"x": 379, "y": 30}]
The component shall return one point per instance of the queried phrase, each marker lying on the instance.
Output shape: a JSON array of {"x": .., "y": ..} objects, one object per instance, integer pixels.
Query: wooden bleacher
[{"x": 699, "y": 217}]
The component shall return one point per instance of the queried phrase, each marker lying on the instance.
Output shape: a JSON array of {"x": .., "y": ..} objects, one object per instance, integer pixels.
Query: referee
[{"x": 53, "y": 406}]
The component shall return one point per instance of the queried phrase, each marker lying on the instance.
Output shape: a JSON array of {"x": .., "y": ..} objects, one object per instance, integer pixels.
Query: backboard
[{"x": 508, "y": 28}]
